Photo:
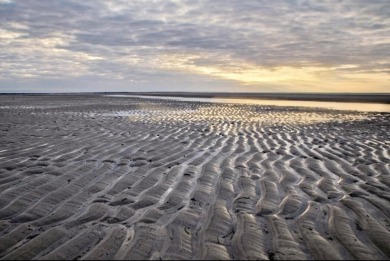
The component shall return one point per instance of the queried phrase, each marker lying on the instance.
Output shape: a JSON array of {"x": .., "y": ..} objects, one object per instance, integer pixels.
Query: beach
[{"x": 97, "y": 177}]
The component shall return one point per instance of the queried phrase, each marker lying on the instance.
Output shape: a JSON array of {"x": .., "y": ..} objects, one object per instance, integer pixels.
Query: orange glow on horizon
[{"x": 305, "y": 79}]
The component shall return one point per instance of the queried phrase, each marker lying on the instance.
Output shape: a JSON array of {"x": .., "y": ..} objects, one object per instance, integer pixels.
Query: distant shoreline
[{"x": 329, "y": 97}]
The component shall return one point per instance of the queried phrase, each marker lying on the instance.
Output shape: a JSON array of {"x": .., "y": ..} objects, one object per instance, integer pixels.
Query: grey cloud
[{"x": 263, "y": 33}]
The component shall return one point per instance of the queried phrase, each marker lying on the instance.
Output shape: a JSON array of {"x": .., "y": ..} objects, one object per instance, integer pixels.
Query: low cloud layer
[{"x": 96, "y": 45}]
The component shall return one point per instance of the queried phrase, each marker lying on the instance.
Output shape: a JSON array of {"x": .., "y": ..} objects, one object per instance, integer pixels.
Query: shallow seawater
[{"x": 348, "y": 106}]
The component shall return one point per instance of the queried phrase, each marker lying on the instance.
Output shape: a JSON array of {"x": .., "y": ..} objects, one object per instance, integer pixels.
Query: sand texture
[{"x": 92, "y": 177}]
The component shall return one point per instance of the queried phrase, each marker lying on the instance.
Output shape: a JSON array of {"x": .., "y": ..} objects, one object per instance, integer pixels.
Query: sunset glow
[{"x": 271, "y": 46}]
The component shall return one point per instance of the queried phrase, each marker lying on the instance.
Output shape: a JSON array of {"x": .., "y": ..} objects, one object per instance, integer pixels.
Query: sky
[{"x": 216, "y": 45}]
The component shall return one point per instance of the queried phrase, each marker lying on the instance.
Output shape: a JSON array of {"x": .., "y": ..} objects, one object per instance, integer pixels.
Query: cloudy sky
[{"x": 188, "y": 45}]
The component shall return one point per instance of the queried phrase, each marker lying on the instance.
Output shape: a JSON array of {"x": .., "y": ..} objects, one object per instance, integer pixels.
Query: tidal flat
[{"x": 97, "y": 177}]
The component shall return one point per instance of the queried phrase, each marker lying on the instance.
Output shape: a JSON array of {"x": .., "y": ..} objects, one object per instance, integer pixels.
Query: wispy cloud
[{"x": 190, "y": 45}]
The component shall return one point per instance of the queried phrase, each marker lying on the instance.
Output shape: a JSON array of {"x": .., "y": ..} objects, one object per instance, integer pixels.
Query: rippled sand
[{"x": 91, "y": 177}]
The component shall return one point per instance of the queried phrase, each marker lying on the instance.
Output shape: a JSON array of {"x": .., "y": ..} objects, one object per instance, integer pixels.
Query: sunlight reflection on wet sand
[
  {"x": 350, "y": 106},
  {"x": 173, "y": 111}
]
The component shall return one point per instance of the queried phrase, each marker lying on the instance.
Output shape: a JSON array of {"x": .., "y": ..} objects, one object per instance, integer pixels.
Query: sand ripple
[{"x": 89, "y": 177}]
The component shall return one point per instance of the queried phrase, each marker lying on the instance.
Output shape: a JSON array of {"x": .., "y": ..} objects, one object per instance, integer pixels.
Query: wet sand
[{"x": 93, "y": 177}]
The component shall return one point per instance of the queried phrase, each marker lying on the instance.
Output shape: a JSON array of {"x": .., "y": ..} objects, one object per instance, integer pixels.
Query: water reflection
[
  {"x": 349, "y": 106},
  {"x": 159, "y": 111}
]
